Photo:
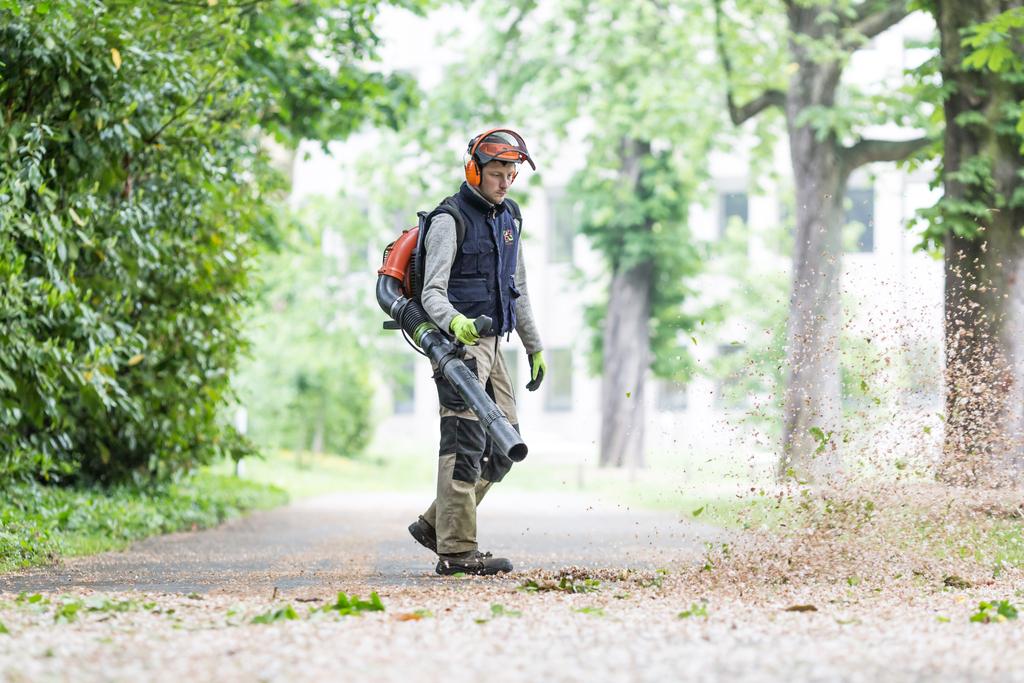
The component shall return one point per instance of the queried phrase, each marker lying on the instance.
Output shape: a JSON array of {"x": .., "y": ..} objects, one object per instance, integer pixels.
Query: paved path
[
  {"x": 133, "y": 616},
  {"x": 345, "y": 539}
]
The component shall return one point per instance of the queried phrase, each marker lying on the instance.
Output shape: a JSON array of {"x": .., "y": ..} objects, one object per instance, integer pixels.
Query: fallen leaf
[
  {"x": 801, "y": 608},
  {"x": 408, "y": 616},
  {"x": 954, "y": 581}
]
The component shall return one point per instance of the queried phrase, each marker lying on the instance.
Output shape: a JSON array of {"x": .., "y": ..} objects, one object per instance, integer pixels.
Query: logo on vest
[{"x": 508, "y": 236}]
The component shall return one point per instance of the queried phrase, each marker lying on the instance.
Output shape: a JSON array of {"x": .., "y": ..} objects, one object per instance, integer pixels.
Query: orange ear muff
[{"x": 473, "y": 172}]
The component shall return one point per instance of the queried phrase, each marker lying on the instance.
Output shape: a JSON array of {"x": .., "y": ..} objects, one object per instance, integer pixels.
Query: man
[{"x": 474, "y": 267}]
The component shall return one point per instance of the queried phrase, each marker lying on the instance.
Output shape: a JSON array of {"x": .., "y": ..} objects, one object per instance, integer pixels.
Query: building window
[
  {"x": 731, "y": 205},
  {"x": 859, "y": 220},
  {"x": 558, "y": 380},
  {"x": 511, "y": 357},
  {"x": 562, "y": 227},
  {"x": 672, "y": 396},
  {"x": 403, "y": 388}
]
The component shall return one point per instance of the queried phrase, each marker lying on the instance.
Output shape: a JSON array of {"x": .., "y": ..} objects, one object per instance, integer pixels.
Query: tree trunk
[
  {"x": 813, "y": 391},
  {"x": 984, "y": 289},
  {"x": 317, "y": 444},
  {"x": 627, "y": 342},
  {"x": 626, "y": 357}
]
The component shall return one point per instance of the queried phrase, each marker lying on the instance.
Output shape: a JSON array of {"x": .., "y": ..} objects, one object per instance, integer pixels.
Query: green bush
[
  {"x": 134, "y": 194},
  {"x": 125, "y": 251}
]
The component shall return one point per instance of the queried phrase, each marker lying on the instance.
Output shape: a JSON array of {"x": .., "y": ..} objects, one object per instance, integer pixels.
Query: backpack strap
[
  {"x": 418, "y": 262},
  {"x": 517, "y": 215},
  {"x": 450, "y": 207}
]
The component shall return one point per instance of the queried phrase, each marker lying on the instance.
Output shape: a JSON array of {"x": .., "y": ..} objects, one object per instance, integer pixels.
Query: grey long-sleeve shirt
[{"x": 441, "y": 245}]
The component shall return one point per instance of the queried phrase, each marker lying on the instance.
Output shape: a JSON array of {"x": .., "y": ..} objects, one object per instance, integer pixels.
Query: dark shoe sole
[
  {"x": 480, "y": 568},
  {"x": 421, "y": 536}
]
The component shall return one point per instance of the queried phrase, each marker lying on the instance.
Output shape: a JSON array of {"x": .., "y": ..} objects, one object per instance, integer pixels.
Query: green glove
[
  {"x": 537, "y": 369},
  {"x": 464, "y": 329}
]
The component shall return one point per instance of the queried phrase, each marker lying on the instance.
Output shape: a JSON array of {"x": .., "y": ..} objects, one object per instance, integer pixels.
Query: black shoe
[
  {"x": 424, "y": 534},
  {"x": 472, "y": 562}
]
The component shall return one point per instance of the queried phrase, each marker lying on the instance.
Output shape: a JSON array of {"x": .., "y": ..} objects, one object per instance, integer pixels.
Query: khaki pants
[{"x": 466, "y": 467}]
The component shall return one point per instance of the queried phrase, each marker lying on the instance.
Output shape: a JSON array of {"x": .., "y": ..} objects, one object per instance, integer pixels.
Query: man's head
[
  {"x": 492, "y": 163},
  {"x": 495, "y": 179}
]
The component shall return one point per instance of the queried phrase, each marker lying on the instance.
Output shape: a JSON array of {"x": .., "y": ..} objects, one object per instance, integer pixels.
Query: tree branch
[
  {"x": 152, "y": 137},
  {"x": 868, "y": 151},
  {"x": 874, "y": 18},
  {"x": 769, "y": 98},
  {"x": 513, "y": 32}
]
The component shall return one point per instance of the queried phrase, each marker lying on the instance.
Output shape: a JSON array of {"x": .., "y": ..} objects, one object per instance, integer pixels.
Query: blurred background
[
  {"x": 709, "y": 421},
  {"x": 752, "y": 226}
]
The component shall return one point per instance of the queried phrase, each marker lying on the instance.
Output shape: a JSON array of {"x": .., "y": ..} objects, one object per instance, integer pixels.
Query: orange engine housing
[{"x": 397, "y": 256}]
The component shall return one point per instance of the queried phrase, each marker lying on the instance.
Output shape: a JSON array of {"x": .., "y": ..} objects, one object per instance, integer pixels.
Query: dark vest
[{"x": 482, "y": 279}]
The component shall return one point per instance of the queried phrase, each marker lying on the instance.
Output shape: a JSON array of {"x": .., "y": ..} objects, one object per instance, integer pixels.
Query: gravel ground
[
  {"x": 637, "y": 636},
  {"x": 190, "y": 615}
]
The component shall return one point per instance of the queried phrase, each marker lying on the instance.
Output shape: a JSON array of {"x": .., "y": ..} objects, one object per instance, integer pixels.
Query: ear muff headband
[{"x": 499, "y": 151}]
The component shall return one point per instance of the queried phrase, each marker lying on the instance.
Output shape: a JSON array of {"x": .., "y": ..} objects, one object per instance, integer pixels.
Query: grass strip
[{"x": 40, "y": 523}]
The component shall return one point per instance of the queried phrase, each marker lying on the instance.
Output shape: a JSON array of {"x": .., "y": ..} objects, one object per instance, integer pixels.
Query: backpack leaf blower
[{"x": 399, "y": 284}]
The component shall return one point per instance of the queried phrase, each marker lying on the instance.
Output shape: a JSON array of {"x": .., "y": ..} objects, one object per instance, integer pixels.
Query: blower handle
[{"x": 482, "y": 324}]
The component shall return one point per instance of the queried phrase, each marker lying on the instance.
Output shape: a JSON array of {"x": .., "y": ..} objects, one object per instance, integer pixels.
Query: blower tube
[{"x": 413, "y": 319}]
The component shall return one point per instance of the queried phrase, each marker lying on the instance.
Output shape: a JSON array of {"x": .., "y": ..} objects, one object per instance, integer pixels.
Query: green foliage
[
  {"x": 655, "y": 581},
  {"x": 133, "y": 195},
  {"x": 309, "y": 385},
  {"x": 286, "y": 613},
  {"x": 990, "y": 48},
  {"x": 69, "y": 607},
  {"x": 352, "y": 606},
  {"x": 994, "y": 46},
  {"x": 38, "y": 523},
  {"x": 306, "y": 65},
  {"x": 565, "y": 584},
  {"x": 33, "y": 599},
  {"x": 592, "y": 611},
  {"x": 994, "y": 611},
  {"x": 696, "y": 610},
  {"x": 992, "y": 43},
  {"x": 821, "y": 438},
  {"x": 499, "y": 610},
  {"x": 763, "y": 63},
  {"x": 67, "y": 611}
]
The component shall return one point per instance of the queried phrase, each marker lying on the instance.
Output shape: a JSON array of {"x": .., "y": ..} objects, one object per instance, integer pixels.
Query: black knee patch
[
  {"x": 447, "y": 396},
  {"x": 467, "y": 468},
  {"x": 467, "y": 439}
]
